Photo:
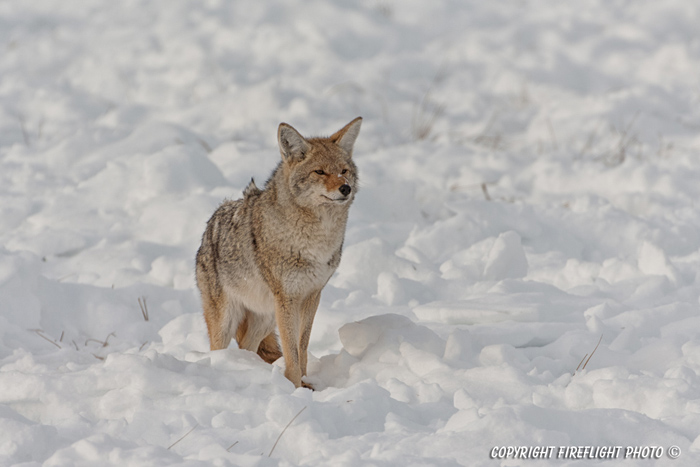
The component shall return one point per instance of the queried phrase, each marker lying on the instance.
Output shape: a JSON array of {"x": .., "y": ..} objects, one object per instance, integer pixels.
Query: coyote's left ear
[{"x": 346, "y": 137}]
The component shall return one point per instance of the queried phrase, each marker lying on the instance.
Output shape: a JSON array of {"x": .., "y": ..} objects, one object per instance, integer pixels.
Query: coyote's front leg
[
  {"x": 308, "y": 309},
  {"x": 294, "y": 320},
  {"x": 288, "y": 314}
]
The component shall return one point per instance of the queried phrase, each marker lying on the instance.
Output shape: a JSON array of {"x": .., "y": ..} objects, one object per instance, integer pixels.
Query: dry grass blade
[
  {"x": 39, "y": 333},
  {"x": 104, "y": 343},
  {"x": 579, "y": 363},
  {"x": 596, "y": 348},
  {"x": 228, "y": 449},
  {"x": 486, "y": 192},
  {"x": 285, "y": 429},
  {"x": 144, "y": 307},
  {"x": 204, "y": 144},
  {"x": 589, "y": 357},
  {"x": 184, "y": 436}
]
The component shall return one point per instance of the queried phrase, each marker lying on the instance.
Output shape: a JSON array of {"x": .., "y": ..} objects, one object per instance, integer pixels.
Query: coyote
[{"x": 265, "y": 258}]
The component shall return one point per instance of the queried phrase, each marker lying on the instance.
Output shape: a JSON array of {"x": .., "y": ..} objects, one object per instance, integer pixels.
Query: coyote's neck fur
[{"x": 315, "y": 233}]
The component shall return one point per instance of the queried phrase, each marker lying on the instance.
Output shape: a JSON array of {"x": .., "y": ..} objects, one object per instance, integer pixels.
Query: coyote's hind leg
[
  {"x": 269, "y": 349},
  {"x": 253, "y": 330}
]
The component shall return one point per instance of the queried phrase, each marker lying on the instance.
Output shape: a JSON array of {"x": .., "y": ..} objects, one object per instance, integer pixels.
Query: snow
[{"x": 529, "y": 189}]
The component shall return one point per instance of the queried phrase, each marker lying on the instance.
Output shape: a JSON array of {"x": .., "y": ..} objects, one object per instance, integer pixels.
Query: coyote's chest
[{"x": 310, "y": 260}]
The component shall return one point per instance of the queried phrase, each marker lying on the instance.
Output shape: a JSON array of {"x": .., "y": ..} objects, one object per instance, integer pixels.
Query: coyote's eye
[
  {"x": 344, "y": 172},
  {"x": 320, "y": 172}
]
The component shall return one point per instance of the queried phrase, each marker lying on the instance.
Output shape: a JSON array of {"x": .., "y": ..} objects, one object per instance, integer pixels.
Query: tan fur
[{"x": 265, "y": 258}]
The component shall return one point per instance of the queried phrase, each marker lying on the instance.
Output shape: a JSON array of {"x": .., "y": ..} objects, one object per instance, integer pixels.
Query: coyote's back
[{"x": 265, "y": 258}]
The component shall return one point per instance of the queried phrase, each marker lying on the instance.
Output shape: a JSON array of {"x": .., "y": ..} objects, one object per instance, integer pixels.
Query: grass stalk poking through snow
[
  {"x": 589, "y": 357},
  {"x": 285, "y": 429},
  {"x": 40, "y": 333},
  {"x": 184, "y": 436},
  {"x": 144, "y": 307},
  {"x": 104, "y": 343}
]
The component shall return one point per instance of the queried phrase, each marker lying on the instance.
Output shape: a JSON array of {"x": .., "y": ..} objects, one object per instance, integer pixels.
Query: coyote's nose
[{"x": 345, "y": 189}]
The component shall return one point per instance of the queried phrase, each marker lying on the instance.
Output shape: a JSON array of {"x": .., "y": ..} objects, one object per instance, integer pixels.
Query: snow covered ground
[{"x": 522, "y": 263}]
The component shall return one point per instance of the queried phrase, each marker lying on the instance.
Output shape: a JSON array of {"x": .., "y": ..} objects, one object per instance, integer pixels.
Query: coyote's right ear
[{"x": 293, "y": 146}]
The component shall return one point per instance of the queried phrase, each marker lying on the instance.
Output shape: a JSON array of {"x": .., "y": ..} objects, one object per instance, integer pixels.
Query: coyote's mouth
[{"x": 336, "y": 200}]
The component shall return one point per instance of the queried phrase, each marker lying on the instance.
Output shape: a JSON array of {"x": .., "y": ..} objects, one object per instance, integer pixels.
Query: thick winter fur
[{"x": 266, "y": 257}]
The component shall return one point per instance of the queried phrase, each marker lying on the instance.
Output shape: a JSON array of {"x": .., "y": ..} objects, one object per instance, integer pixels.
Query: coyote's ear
[
  {"x": 293, "y": 146},
  {"x": 346, "y": 137}
]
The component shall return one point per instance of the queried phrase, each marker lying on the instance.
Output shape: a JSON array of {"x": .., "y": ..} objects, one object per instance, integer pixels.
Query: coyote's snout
[{"x": 265, "y": 258}]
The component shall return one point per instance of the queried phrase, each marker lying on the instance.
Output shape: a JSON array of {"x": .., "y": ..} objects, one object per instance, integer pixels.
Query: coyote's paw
[{"x": 307, "y": 385}]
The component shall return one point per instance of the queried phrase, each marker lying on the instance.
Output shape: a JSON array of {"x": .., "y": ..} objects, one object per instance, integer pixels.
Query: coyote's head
[{"x": 320, "y": 171}]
